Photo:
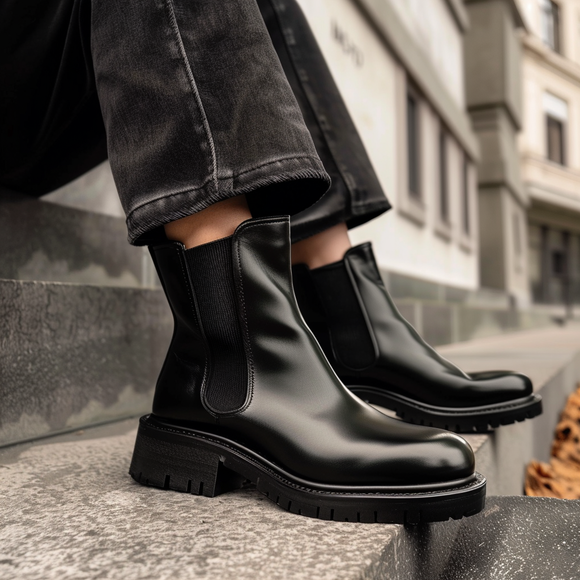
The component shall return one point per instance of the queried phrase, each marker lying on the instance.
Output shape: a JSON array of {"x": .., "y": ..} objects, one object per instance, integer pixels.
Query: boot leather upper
[
  {"x": 402, "y": 361},
  {"x": 297, "y": 412}
]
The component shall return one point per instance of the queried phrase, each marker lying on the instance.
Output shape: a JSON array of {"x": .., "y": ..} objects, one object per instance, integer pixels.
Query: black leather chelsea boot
[
  {"x": 246, "y": 394},
  {"x": 380, "y": 357}
]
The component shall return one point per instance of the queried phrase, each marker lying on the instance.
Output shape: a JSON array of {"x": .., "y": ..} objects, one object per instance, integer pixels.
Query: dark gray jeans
[{"x": 193, "y": 102}]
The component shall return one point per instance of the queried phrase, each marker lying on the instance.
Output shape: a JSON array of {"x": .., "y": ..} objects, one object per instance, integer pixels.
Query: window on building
[
  {"x": 559, "y": 264},
  {"x": 555, "y": 133},
  {"x": 551, "y": 24},
  {"x": 443, "y": 177},
  {"x": 465, "y": 195},
  {"x": 556, "y": 114},
  {"x": 413, "y": 146},
  {"x": 535, "y": 258}
]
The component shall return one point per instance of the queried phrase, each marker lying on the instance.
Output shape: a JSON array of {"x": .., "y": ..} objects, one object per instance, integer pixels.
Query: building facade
[
  {"x": 399, "y": 65},
  {"x": 550, "y": 147}
]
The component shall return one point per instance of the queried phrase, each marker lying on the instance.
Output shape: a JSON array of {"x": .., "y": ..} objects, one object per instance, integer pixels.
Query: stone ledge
[
  {"x": 71, "y": 512},
  {"x": 551, "y": 358},
  {"x": 76, "y": 355}
]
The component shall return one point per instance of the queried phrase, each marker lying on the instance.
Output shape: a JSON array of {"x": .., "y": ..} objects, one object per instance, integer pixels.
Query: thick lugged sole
[
  {"x": 183, "y": 459},
  {"x": 461, "y": 420}
]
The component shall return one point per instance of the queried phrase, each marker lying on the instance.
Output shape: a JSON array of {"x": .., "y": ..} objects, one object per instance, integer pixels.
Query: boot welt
[
  {"x": 459, "y": 419},
  {"x": 188, "y": 460}
]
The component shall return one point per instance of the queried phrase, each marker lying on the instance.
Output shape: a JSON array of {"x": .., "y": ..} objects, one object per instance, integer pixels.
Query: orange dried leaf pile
[{"x": 561, "y": 477}]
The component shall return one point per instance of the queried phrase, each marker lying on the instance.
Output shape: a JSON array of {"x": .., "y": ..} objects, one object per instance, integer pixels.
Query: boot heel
[{"x": 187, "y": 468}]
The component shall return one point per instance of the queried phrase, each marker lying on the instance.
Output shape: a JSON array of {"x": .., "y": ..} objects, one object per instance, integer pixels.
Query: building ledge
[
  {"x": 550, "y": 182},
  {"x": 560, "y": 198},
  {"x": 554, "y": 60}
]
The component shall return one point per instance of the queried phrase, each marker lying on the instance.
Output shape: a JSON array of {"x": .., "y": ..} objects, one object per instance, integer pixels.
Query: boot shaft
[
  {"x": 330, "y": 300},
  {"x": 216, "y": 293}
]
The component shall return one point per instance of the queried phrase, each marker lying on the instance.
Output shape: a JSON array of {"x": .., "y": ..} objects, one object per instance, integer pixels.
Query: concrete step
[
  {"x": 71, "y": 511},
  {"x": 54, "y": 243},
  {"x": 85, "y": 325},
  {"x": 75, "y": 355}
]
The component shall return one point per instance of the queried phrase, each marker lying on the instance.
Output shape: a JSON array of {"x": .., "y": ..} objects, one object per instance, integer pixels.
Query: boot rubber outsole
[
  {"x": 458, "y": 419},
  {"x": 183, "y": 459}
]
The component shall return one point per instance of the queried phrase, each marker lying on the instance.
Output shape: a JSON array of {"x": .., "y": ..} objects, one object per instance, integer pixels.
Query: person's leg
[
  {"x": 208, "y": 118},
  {"x": 328, "y": 246},
  {"x": 374, "y": 350},
  {"x": 53, "y": 129},
  {"x": 356, "y": 195},
  {"x": 209, "y": 128},
  {"x": 219, "y": 220}
]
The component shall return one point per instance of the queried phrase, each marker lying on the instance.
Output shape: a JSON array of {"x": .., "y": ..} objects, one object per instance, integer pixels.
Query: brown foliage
[{"x": 561, "y": 477}]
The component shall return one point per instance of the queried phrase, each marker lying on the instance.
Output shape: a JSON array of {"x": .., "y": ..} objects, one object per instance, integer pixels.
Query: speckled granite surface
[
  {"x": 74, "y": 355},
  {"x": 70, "y": 511},
  {"x": 515, "y": 538}
]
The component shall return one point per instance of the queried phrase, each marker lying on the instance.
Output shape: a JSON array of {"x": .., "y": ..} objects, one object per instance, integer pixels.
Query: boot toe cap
[
  {"x": 503, "y": 385},
  {"x": 444, "y": 457},
  {"x": 429, "y": 456}
]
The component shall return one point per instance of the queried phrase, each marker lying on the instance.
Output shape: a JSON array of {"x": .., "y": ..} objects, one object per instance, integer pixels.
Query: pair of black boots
[{"x": 246, "y": 392}]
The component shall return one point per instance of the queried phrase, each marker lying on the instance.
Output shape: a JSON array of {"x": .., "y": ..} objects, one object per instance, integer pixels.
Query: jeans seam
[
  {"x": 193, "y": 189},
  {"x": 194, "y": 90}
]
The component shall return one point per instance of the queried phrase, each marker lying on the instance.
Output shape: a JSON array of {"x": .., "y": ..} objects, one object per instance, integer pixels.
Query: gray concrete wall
[
  {"x": 76, "y": 355},
  {"x": 494, "y": 99},
  {"x": 492, "y": 58},
  {"x": 85, "y": 326}
]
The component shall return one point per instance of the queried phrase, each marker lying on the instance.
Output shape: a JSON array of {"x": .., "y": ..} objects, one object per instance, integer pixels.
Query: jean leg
[
  {"x": 356, "y": 195},
  {"x": 197, "y": 109}
]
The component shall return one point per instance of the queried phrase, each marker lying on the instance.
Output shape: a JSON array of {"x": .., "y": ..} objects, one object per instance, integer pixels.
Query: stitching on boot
[
  {"x": 246, "y": 332},
  {"x": 244, "y": 317}
]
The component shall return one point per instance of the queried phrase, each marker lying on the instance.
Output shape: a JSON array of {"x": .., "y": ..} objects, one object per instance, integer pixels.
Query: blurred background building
[
  {"x": 466, "y": 109},
  {"x": 550, "y": 147}
]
